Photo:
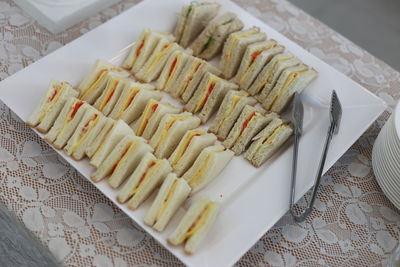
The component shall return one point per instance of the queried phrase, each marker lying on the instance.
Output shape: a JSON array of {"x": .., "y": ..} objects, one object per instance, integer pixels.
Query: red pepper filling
[
  {"x": 155, "y": 106},
  {"x": 171, "y": 69},
  {"x": 246, "y": 122},
  {"x": 109, "y": 97},
  {"x": 255, "y": 55},
  {"x": 209, "y": 91},
  {"x": 76, "y": 108},
  {"x": 139, "y": 48},
  {"x": 53, "y": 95}
]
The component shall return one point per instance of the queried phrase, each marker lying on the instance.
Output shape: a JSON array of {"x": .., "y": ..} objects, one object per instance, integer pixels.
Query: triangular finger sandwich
[
  {"x": 268, "y": 141},
  {"x": 252, "y": 52},
  {"x": 229, "y": 111},
  {"x": 96, "y": 74},
  {"x": 170, "y": 131},
  {"x": 235, "y": 47},
  {"x": 67, "y": 114},
  {"x": 190, "y": 146},
  {"x": 51, "y": 104},
  {"x": 128, "y": 161},
  {"x": 117, "y": 132},
  {"x": 142, "y": 49},
  {"x": 153, "y": 66},
  {"x": 95, "y": 143},
  {"x": 89, "y": 138},
  {"x": 148, "y": 122},
  {"x": 270, "y": 73},
  {"x": 148, "y": 175},
  {"x": 249, "y": 123},
  {"x": 111, "y": 161},
  {"x": 249, "y": 76},
  {"x": 208, "y": 95},
  {"x": 108, "y": 98},
  {"x": 210, "y": 41},
  {"x": 195, "y": 224},
  {"x": 173, "y": 192},
  {"x": 292, "y": 80},
  {"x": 208, "y": 165},
  {"x": 172, "y": 68},
  {"x": 66, "y": 126},
  {"x": 193, "y": 19},
  {"x": 133, "y": 100},
  {"x": 82, "y": 131}
]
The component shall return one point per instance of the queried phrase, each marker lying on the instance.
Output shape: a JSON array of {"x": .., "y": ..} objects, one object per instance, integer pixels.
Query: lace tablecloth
[{"x": 353, "y": 224}]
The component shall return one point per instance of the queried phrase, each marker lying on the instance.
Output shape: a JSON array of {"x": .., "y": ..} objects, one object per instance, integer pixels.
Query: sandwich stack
[{"x": 386, "y": 158}]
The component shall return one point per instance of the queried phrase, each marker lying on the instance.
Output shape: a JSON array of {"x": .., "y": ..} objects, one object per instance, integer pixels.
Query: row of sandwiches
[{"x": 129, "y": 162}]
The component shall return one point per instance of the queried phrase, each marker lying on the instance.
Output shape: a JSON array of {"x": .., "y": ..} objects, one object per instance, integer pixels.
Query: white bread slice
[
  {"x": 173, "y": 192},
  {"x": 51, "y": 105},
  {"x": 170, "y": 131},
  {"x": 253, "y": 128},
  {"x": 288, "y": 76},
  {"x": 252, "y": 52},
  {"x": 209, "y": 43},
  {"x": 214, "y": 99},
  {"x": 118, "y": 131},
  {"x": 79, "y": 152},
  {"x": 268, "y": 141},
  {"x": 130, "y": 100},
  {"x": 128, "y": 163},
  {"x": 69, "y": 124},
  {"x": 82, "y": 131},
  {"x": 286, "y": 93},
  {"x": 253, "y": 71},
  {"x": 142, "y": 49},
  {"x": 208, "y": 165},
  {"x": 270, "y": 73},
  {"x": 235, "y": 47},
  {"x": 172, "y": 68},
  {"x": 153, "y": 66},
  {"x": 68, "y": 112},
  {"x": 189, "y": 148},
  {"x": 193, "y": 19},
  {"x": 248, "y": 114},
  {"x": 148, "y": 122},
  {"x": 111, "y": 161},
  {"x": 92, "y": 146},
  {"x": 149, "y": 174},
  {"x": 96, "y": 72},
  {"x": 195, "y": 224},
  {"x": 229, "y": 111},
  {"x": 110, "y": 94}
]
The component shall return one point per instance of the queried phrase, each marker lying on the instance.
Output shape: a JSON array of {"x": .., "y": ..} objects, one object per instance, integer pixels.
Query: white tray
[{"x": 253, "y": 200}]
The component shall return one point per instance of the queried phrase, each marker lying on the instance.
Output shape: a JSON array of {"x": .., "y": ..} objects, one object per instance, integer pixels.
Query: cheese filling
[
  {"x": 110, "y": 92},
  {"x": 167, "y": 200},
  {"x": 288, "y": 81},
  {"x": 151, "y": 168},
  {"x": 200, "y": 172},
  {"x": 198, "y": 223},
  {"x": 185, "y": 144},
  {"x": 235, "y": 39},
  {"x": 270, "y": 139}
]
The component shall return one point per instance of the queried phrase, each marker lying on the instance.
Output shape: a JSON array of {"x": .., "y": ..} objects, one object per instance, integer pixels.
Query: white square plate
[{"x": 253, "y": 200}]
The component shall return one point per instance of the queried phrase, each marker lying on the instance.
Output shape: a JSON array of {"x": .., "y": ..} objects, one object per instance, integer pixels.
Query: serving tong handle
[{"x": 297, "y": 119}]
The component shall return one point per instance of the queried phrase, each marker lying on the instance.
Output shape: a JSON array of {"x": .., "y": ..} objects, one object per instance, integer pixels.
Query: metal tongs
[{"x": 297, "y": 120}]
